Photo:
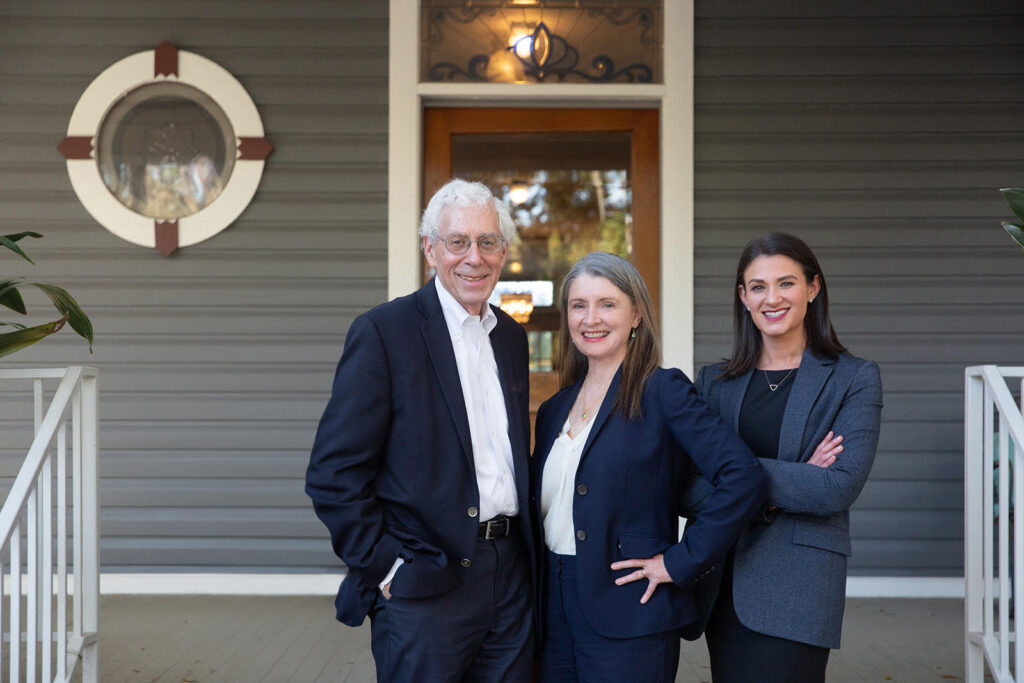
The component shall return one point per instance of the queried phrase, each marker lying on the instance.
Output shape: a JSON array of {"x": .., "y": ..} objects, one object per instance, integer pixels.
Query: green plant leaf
[
  {"x": 1014, "y": 196},
  {"x": 65, "y": 303},
  {"x": 4, "y": 323},
  {"x": 1016, "y": 232},
  {"x": 10, "y": 241},
  {"x": 15, "y": 341},
  {"x": 10, "y": 297}
]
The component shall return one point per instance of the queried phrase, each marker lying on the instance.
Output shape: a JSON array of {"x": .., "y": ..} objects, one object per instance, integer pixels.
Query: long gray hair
[{"x": 643, "y": 352}]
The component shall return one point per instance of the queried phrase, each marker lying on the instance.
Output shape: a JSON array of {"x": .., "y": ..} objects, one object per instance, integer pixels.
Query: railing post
[
  {"x": 973, "y": 526},
  {"x": 30, "y": 507},
  {"x": 90, "y": 528},
  {"x": 15, "y": 611}
]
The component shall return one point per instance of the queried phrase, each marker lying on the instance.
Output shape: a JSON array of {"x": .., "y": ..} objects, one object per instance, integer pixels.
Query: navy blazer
[
  {"x": 789, "y": 575},
  {"x": 628, "y": 488},
  {"x": 391, "y": 473}
]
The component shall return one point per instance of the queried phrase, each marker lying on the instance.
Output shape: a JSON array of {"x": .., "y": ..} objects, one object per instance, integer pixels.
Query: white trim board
[
  {"x": 327, "y": 584},
  {"x": 219, "y": 584},
  {"x": 904, "y": 587}
]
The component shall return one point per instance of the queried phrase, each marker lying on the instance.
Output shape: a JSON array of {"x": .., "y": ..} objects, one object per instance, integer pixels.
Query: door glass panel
[{"x": 569, "y": 194}]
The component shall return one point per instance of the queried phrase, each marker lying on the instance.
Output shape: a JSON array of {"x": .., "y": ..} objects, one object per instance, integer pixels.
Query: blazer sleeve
[
  {"x": 346, "y": 455},
  {"x": 799, "y": 487},
  {"x": 696, "y": 487},
  {"x": 726, "y": 462}
]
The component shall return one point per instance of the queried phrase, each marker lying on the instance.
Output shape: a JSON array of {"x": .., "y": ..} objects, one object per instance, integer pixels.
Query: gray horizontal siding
[
  {"x": 215, "y": 363},
  {"x": 880, "y": 133}
]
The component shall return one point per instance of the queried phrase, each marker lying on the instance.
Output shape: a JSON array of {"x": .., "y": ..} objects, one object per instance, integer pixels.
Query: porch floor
[{"x": 203, "y": 639}]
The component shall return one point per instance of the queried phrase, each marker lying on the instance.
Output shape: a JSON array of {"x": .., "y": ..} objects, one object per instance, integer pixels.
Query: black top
[{"x": 761, "y": 412}]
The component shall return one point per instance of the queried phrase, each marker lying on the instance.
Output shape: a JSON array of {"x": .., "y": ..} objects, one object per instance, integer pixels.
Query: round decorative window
[{"x": 165, "y": 148}]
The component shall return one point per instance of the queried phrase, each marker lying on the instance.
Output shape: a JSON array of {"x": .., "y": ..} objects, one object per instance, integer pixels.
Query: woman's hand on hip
[
  {"x": 652, "y": 569},
  {"x": 825, "y": 453}
]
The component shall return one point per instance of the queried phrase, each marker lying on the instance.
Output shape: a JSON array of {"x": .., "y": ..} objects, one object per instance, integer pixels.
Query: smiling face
[
  {"x": 600, "y": 318},
  {"x": 469, "y": 277},
  {"x": 777, "y": 293}
]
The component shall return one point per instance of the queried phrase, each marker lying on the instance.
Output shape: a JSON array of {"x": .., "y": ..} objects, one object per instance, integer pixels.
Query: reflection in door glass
[{"x": 569, "y": 195}]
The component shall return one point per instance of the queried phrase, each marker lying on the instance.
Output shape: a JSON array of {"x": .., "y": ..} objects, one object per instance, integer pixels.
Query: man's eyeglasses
[{"x": 488, "y": 244}]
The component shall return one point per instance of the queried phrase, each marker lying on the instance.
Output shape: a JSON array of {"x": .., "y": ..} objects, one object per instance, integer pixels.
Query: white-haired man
[{"x": 419, "y": 468}]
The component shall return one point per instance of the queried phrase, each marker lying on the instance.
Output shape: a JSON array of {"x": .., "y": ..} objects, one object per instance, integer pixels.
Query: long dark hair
[
  {"x": 643, "y": 352},
  {"x": 746, "y": 338}
]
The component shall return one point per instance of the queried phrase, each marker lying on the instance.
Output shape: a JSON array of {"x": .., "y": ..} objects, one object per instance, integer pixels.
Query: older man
[{"x": 419, "y": 468}]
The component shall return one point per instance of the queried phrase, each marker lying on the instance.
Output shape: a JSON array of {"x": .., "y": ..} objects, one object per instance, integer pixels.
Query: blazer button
[
  {"x": 581, "y": 535},
  {"x": 582, "y": 489},
  {"x": 472, "y": 512},
  {"x": 466, "y": 562}
]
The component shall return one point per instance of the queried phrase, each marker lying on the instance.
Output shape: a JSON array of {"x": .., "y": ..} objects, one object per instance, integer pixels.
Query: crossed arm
[{"x": 834, "y": 484}]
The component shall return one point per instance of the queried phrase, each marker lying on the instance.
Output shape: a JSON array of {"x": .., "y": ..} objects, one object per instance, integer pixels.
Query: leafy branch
[
  {"x": 1014, "y": 196},
  {"x": 10, "y": 298}
]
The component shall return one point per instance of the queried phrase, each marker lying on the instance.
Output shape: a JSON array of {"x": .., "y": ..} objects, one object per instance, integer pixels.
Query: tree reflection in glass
[{"x": 166, "y": 150}]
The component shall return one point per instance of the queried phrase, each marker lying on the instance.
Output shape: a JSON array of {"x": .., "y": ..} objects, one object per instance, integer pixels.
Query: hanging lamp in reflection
[
  {"x": 518, "y": 192},
  {"x": 519, "y": 306},
  {"x": 504, "y": 67}
]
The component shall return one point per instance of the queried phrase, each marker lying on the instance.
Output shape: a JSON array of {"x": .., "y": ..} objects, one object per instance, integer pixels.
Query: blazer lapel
[
  {"x": 559, "y": 413},
  {"x": 503, "y": 359},
  {"x": 506, "y": 376},
  {"x": 733, "y": 392},
  {"x": 442, "y": 356},
  {"x": 603, "y": 413},
  {"x": 810, "y": 380}
]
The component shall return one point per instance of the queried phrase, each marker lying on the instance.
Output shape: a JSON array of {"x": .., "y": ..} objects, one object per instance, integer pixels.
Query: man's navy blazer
[
  {"x": 789, "y": 573},
  {"x": 391, "y": 473},
  {"x": 628, "y": 489}
]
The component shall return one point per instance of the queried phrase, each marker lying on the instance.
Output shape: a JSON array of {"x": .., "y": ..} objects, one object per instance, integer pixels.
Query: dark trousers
[
  {"x": 573, "y": 651},
  {"x": 481, "y": 631},
  {"x": 739, "y": 655}
]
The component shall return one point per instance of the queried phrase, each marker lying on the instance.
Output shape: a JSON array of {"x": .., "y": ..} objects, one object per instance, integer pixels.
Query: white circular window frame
[{"x": 133, "y": 72}]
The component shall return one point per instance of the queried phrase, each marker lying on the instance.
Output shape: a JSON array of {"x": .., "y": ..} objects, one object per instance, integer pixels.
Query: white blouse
[{"x": 558, "y": 483}]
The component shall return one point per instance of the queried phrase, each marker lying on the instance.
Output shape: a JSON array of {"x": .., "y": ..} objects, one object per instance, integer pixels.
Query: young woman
[
  {"x": 810, "y": 411},
  {"x": 611, "y": 456}
]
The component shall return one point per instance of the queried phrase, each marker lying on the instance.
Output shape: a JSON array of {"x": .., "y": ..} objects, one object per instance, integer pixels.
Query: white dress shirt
[
  {"x": 558, "y": 484},
  {"x": 485, "y": 405},
  {"x": 485, "y": 408}
]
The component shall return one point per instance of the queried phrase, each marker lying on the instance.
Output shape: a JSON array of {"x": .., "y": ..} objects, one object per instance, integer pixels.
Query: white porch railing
[
  {"x": 993, "y": 544},
  {"x": 40, "y": 642}
]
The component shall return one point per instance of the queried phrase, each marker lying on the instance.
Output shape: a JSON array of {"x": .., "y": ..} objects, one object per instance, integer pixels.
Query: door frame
[{"x": 674, "y": 99}]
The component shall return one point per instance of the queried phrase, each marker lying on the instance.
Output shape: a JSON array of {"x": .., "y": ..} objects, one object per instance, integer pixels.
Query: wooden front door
[{"x": 575, "y": 180}]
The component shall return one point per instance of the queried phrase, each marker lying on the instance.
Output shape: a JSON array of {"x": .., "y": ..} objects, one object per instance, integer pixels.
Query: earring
[
  {"x": 633, "y": 334},
  {"x": 811, "y": 301}
]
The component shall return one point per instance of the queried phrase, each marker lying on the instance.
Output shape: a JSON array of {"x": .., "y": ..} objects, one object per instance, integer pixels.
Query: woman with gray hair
[{"x": 613, "y": 447}]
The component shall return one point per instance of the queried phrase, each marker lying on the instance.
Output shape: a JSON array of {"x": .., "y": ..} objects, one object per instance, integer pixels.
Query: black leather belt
[{"x": 498, "y": 527}]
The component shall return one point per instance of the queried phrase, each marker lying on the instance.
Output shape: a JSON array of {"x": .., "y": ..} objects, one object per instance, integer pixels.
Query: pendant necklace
[
  {"x": 583, "y": 415},
  {"x": 586, "y": 411},
  {"x": 774, "y": 387}
]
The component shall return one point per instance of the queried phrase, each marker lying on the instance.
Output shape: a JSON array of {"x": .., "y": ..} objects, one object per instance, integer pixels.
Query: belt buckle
[{"x": 496, "y": 524}]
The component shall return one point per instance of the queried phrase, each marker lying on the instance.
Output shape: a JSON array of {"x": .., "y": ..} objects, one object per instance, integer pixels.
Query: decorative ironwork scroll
[{"x": 556, "y": 41}]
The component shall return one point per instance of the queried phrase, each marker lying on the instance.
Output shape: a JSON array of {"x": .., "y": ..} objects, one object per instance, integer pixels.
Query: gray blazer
[{"x": 789, "y": 574}]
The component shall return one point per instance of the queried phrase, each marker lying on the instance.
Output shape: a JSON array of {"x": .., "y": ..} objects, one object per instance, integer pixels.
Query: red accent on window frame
[
  {"x": 165, "y": 60},
  {"x": 76, "y": 147},
  {"x": 255, "y": 149},
  {"x": 166, "y": 233}
]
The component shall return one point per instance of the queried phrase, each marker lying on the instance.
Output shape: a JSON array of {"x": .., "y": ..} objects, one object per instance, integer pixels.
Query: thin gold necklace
[
  {"x": 586, "y": 412},
  {"x": 774, "y": 387}
]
